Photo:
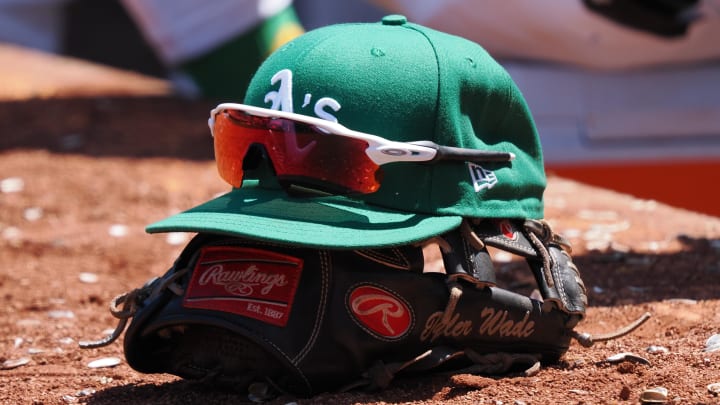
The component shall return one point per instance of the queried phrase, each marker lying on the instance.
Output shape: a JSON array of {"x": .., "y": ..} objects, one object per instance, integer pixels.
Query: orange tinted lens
[
  {"x": 336, "y": 163},
  {"x": 232, "y": 137},
  {"x": 300, "y": 153}
]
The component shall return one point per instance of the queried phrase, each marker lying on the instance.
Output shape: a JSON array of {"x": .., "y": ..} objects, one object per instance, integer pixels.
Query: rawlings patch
[
  {"x": 507, "y": 229},
  {"x": 379, "y": 312},
  {"x": 250, "y": 282}
]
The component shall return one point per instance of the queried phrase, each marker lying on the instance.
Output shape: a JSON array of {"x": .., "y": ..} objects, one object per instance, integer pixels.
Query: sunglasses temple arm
[{"x": 472, "y": 155}]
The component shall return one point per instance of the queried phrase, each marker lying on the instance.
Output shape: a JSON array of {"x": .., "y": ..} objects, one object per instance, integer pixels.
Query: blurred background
[{"x": 625, "y": 94}]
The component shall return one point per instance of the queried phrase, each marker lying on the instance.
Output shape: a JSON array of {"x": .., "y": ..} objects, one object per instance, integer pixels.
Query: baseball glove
[{"x": 234, "y": 312}]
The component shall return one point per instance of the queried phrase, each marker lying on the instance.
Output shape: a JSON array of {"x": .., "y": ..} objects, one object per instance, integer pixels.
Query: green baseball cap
[{"x": 404, "y": 82}]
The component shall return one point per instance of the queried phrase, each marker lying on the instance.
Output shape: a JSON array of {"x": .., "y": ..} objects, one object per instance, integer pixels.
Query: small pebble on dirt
[
  {"x": 176, "y": 238},
  {"x": 12, "y": 185},
  {"x": 33, "y": 214},
  {"x": 714, "y": 388},
  {"x": 713, "y": 343},
  {"x": 14, "y": 363},
  {"x": 105, "y": 362},
  {"x": 85, "y": 392},
  {"x": 69, "y": 399},
  {"x": 66, "y": 341},
  {"x": 657, "y": 349},
  {"x": 620, "y": 357},
  {"x": 644, "y": 205},
  {"x": 683, "y": 301},
  {"x": 118, "y": 230},
  {"x": 656, "y": 395},
  {"x": 88, "y": 278},
  {"x": 11, "y": 233},
  {"x": 61, "y": 314},
  {"x": 471, "y": 381}
]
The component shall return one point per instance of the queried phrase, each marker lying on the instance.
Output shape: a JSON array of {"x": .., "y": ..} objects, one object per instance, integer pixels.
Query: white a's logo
[
  {"x": 282, "y": 99},
  {"x": 482, "y": 178}
]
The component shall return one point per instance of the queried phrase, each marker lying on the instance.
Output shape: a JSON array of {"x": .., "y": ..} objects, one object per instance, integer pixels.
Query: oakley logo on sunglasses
[{"x": 282, "y": 99}]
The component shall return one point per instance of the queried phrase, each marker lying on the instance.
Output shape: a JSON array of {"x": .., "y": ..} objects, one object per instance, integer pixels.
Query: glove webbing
[{"x": 131, "y": 301}]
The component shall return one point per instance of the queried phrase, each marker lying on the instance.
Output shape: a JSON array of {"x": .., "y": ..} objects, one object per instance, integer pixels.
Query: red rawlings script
[{"x": 251, "y": 282}]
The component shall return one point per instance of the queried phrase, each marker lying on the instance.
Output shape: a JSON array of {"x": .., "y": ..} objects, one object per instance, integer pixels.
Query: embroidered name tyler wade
[
  {"x": 242, "y": 282},
  {"x": 492, "y": 323}
]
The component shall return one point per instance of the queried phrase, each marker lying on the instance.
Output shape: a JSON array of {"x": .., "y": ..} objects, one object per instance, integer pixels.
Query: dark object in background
[
  {"x": 101, "y": 31},
  {"x": 665, "y": 18}
]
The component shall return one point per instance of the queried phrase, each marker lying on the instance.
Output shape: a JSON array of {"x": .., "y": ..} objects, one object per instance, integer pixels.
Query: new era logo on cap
[{"x": 482, "y": 178}]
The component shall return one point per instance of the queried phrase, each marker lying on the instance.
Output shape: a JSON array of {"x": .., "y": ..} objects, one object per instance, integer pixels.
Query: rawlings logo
[
  {"x": 507, "y": 229},
  {"x": 242, "y": 282},
  {"x": 380, "y": 312},
  {"x": 255, "y": 283}
]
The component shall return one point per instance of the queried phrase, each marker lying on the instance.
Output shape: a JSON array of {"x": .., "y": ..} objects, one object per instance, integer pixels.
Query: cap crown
[{"x": 406, "y": 82}]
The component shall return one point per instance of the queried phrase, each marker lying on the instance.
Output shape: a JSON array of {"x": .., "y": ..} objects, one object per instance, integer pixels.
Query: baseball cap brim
[{"x": 328, "y": 221}]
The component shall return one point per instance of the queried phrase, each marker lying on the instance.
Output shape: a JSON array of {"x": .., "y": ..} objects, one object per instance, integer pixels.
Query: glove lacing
[{"x": 131, "y": 301}]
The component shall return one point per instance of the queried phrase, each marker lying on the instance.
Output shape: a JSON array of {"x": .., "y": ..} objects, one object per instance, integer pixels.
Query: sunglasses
[{"x": 319, "y": 154}]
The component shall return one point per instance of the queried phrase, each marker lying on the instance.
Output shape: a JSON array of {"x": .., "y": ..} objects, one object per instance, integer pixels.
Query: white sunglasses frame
[{"x": 380, "y": 150}]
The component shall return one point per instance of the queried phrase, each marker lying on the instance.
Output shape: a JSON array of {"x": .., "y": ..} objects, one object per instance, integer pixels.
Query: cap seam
[{"x": 431, "y": 174}]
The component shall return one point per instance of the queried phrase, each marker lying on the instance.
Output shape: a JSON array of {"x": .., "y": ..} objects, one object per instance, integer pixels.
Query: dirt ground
[{"x": 80, "y": 178}]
